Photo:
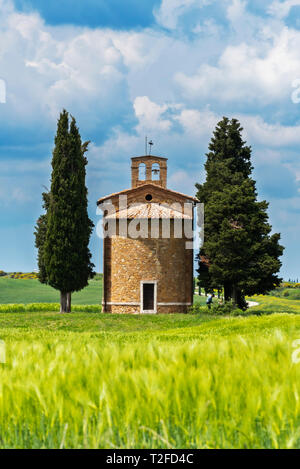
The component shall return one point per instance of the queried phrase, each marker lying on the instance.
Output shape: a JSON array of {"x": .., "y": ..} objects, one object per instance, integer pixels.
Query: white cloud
[
  {"x": 246, "y": 26},
  {"x": 14, "y": 190},
  {"x": 270, "y": 143},
  {"x": 150, "y": 114},
  {"x": 183, "y": 181},
  {"x": 14, "y": 166},
  {"x": 281, "y": 9},
  {"x": 248, "y": 72},
  {"x": 47, "y": 68},
  {"x": 208, "y": 27},
  {"x": 271, "y": 135},
  {"x": 198, "y": 123},
  {"x": 169, "y": 12}
]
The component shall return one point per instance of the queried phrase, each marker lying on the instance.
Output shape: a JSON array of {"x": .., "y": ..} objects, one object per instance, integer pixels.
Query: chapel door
[{"x": 148, "y": 297}]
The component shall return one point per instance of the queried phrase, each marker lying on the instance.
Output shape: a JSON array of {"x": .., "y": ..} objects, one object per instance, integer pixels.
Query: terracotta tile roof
[
  {"x": 150, "y": 210},
  {"x": 153, "y": 186}
]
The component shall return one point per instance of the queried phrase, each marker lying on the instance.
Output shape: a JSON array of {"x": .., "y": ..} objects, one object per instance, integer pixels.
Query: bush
[
  {"x": 47, "y": 307},
  {"x": 198, "y": 309},
  {"x": 225, "y": 309},
  {"x": 22, "y": 276},
  {"x": 217, "y": 309},
  {"x": 12, "y": 308},
  {"x": 290, "y": 285},
  {"x": 2, "y": 273},
  {"x": 98, "y": 277}
]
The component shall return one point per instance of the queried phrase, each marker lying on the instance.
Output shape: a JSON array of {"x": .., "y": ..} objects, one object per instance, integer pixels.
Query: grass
[
  {"x": 178, "y": 381},
  {"x": 46, "y": 307},
  {"x": 30, "y": 292},
  {"x": 287, "y": 293},
  {"x": 14, "y": 291},
  {"x": 85, "y": 380},
  {"x": 273, "y": 304}
]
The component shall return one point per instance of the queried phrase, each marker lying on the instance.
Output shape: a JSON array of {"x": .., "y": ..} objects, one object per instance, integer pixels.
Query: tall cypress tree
[
  {"x": 243, "y": 256},
  {"x": 65, "y": 253},
  {"x": 40, "y": 238}
]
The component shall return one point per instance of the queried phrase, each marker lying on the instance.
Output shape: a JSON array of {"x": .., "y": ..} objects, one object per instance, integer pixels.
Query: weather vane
[{"x": 150, "y": 144}]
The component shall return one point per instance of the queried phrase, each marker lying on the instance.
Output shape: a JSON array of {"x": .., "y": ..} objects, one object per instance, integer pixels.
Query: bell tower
[{"x": 148, "y": 169}]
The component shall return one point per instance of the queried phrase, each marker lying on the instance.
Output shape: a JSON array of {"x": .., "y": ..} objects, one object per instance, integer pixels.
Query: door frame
[{"x": 154, "y": 282}]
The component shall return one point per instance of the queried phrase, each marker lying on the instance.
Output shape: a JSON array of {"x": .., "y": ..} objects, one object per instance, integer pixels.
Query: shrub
[
  {"x": 198, "y": 309},
  {"x": 225, "y": 309},
  {"x": 12, "y": 308},
  {"x": 217, "y": 309},
  {"x": 47, "y": 307},
  {"x": 87, "y": 309},
  {"x": 22, "y": 276},
  {"x": 98, "y": 277}
]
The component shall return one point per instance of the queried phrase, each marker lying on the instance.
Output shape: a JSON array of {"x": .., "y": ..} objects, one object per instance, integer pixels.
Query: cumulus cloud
[
  {"x": 48, "y": 68},
  {"x": 281, "y": 9},
  {"x": 150, "y": 114},
  {"x": 169, "y": 12},
  {"x": 178, "y": 131},
  {"x": 270, "y": 135},
  {"x": 248, "y": 72}
]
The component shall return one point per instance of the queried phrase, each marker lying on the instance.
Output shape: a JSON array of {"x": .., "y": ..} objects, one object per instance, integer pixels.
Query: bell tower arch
[{"x": 153, "y": 169}]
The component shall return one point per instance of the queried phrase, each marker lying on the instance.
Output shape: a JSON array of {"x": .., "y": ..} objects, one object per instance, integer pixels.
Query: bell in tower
[{"x": 149, "y": 169}]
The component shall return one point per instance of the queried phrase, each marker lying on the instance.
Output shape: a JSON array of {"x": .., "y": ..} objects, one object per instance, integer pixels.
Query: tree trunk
[
  {"x": 235, "y": 295},
  {"x": 227, "y": 291},
  {"x": 63, "y": 302},
  {"x": 239, "y": 298},
  {"x": 69, "y": 302}
]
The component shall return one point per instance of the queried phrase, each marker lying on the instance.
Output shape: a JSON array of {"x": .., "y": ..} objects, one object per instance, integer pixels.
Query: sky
[{"x": 168, "y": 69}]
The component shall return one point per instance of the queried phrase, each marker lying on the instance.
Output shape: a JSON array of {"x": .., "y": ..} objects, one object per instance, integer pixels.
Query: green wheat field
[{"x": 89, "y": 380}]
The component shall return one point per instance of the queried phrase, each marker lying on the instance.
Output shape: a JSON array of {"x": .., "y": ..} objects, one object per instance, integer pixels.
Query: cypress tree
[
  {"x": 40, "y": 238},
  {"x": 65, "y": 255},
  {"x": 243, "y": 256}
]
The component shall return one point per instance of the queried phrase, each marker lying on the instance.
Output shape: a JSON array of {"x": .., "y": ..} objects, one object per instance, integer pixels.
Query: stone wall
[
  {"x": 129, "y": 261},
  {"x": 120, "y": 309}
]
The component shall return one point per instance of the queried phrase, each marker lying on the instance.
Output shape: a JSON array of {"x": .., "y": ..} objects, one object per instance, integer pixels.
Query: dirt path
[{"x": 251, "y": 304}]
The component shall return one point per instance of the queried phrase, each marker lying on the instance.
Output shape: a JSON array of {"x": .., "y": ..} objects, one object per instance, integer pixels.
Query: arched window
[
  {"x": 155, "y": 172},
  {"x": 142, "y": 172}
]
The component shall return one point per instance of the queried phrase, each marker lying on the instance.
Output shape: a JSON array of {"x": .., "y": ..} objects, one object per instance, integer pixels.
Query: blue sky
[
  {"x": 115, "y": 14},
  {"x": 166, "y": 68}
]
